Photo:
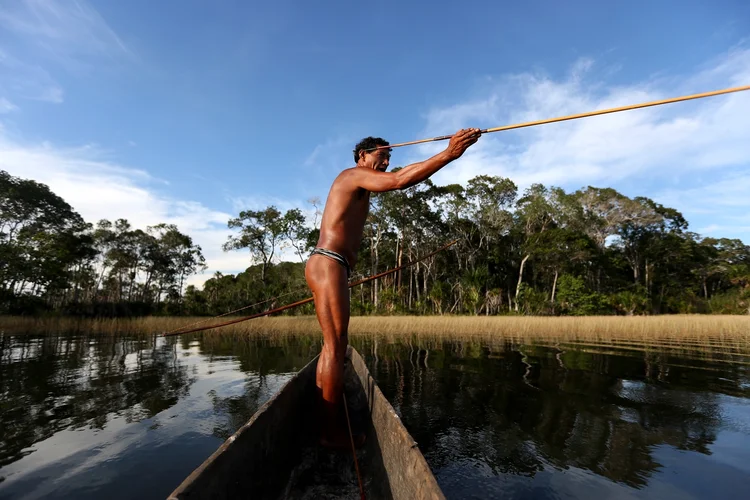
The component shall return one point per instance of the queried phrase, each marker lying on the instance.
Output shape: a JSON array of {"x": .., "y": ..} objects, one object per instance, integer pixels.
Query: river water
[{"x": 117, "y": 416}]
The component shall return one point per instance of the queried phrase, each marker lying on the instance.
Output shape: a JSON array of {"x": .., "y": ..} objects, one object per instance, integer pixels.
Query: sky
[{"x": 188, "y": 112}]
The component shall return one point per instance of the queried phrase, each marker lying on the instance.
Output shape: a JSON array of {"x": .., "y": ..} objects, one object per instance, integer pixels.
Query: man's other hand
[{"x": 461, "y": 141}]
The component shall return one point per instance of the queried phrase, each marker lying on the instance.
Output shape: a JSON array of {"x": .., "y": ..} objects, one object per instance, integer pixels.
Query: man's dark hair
[{"x": 368, "y": 143}]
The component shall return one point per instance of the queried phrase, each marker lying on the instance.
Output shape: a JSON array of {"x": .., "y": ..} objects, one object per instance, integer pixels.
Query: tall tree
[
  {"x": 38, "y": 232},
  {"x": 644, "y": 224},
  {"x": 296, "y": 232},
  {"x": 535, "y": 214}
]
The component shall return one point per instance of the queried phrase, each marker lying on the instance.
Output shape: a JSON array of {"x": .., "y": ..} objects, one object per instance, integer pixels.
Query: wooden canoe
[{"x": 275, "y": 454}]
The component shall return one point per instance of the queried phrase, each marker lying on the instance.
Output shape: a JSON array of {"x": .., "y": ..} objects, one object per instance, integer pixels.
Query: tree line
[
  {"x": 53, "y": 260},
  {"x": 540, "y": 251}
]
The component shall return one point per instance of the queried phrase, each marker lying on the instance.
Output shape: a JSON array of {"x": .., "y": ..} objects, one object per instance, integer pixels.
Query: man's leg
[{"x": 328, "y": 282}]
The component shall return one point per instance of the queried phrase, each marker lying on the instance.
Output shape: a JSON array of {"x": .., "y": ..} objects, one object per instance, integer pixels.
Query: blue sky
[{"x": 188, "y": 112}]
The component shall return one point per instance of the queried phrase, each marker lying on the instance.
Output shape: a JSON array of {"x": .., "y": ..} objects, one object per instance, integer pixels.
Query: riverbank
[{"x": 642, "y": 328}]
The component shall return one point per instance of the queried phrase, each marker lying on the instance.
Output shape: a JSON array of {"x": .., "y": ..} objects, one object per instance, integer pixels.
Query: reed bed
[
  {"x": 671, "y": 329},
  {"x": 706, "y": 339}
]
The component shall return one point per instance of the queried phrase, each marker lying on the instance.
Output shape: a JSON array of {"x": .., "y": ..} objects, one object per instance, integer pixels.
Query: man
[{"x": 330, "y": 264}]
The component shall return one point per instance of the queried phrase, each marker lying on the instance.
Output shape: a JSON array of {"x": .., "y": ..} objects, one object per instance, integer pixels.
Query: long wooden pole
[
  {"x": 309, "y": 299},
  {"x": 485, "y": 131},
  {"x": 580, "y": 115}
]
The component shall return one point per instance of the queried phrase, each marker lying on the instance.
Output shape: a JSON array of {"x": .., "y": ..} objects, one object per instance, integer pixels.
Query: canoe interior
[{"x": 275, "y": 454}]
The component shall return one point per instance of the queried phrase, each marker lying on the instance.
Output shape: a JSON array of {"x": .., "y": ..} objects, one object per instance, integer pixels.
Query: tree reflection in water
[
  {"x": 72, "y": 382},
  {"x": 493, "y": 417},
  {"x": 479, "y": 411}
]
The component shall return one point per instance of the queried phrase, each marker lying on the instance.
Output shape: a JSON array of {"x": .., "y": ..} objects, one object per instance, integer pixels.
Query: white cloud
[
  {"x": 723, "y": 204},
  {"x": 669, "y": 146},
  {"x": 6, "y": 106},
  {"x": 98, "y": 189},
  {"x": 719, "y": 231},
  {"x": 730, "y": 192}
]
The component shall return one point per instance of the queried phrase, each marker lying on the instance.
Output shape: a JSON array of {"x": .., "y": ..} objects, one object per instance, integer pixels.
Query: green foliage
[
  {"x": 50, "y": 259},
  {"x": 736, "y": 301},
  {"x": 533, "y": 301},
  {"x": 630, "y": 302},
  {"x": 575, "y": 298},
  {"x": 543, "y": 251}
]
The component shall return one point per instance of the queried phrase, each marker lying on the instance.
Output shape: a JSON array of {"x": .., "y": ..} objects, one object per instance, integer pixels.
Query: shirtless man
[{"x": 328, "y": 268}]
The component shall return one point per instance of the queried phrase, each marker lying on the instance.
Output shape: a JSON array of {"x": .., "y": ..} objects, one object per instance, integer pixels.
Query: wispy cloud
[
  {"x": 99, "y": 189},
  {"x": 331, "y": 154},
  {"x": 725, "y": 231},
  {"x": 714, "y": 196},
  {"x": 27, "y": 81},
  {"x": 44, "y": 36},
  {"x": 66, "y": 30},
  {"x": 675, "y": 147},
  {"x": 721, "y": 202},
  {"x": 6, "y": 106}
]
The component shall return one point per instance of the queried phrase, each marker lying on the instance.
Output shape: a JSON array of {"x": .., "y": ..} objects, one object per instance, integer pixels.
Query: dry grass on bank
[{"x": 672, "y": 328}]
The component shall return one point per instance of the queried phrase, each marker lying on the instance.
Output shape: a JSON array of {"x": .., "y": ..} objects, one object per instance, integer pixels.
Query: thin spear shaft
[{"x": 580, "y": 115}]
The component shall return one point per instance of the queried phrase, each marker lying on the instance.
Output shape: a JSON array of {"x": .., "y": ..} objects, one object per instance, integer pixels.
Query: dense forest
[{"x": 540, "y": 251}]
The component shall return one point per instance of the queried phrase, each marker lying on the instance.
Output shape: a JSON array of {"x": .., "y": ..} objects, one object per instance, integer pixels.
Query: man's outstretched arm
[{"x": 378, "y": 182}]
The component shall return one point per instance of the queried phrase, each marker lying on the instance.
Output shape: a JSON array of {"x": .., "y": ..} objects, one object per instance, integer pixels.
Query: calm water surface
[{"x": 102, "y": 416}]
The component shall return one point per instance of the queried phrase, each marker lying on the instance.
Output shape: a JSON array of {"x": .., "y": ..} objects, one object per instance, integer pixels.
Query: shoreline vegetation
[
  {"x": 671, "y": 328},
  {"x": 541, "y": 252}
]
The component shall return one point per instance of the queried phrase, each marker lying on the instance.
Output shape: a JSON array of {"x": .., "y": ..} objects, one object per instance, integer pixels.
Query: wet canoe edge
[
  {"x": 404, "y": 467},
  {"x": 259, "y": 455},
  {"x": 259, "y": 460}
]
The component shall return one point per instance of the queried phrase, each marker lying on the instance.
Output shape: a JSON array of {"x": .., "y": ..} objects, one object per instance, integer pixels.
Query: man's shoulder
[
  {"x": 347, "y": 180},
  {"x": 351, "y": 170},
  {"x": 346, "y": 175}
]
